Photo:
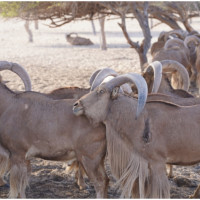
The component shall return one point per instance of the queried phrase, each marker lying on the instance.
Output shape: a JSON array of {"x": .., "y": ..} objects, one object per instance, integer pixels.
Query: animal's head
[
  {"x": 104, "y": 75},
  {"x": 96, "y": 104},
  {"x": 192, "y": 41}
]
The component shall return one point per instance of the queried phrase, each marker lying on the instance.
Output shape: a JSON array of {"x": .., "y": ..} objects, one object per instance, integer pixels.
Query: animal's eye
[{"x": 101, "y": 91}]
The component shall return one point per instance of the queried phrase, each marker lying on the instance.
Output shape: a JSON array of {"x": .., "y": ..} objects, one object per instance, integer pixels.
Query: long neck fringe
[
  {"x": 126, "y": 166},
  {"x": 135, "y": 178}
]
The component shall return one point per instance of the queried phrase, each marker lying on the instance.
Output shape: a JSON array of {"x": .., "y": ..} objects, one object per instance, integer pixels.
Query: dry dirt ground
[{"x": 52, "y": 63}]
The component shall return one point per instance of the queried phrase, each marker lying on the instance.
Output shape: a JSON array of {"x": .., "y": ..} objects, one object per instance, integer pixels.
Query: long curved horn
[
  {"x": 157, "y": 69},
  {"x": 20, "y": 71},
  {"x": 140, "y": 83},
  {"x": 101, "y": 76},
  {"x": 180, "y": 33},
  {"x": 175, "y": 42},
  {"x": 174, "y": 65},
  {"x": 93, "y": 76}
]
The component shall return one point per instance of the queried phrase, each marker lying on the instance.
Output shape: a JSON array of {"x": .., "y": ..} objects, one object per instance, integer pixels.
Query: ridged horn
[
  {"x": 93, "y": 76},
  {"x": 101, "y": 76},
  {"x": 157, "y": 69},
  {"x": 140, "y": 83},
  {"x": 20, "y": 71},
  {"x": 176, "y": 66},
  {"x": 173, "y": 42},
  {"x": 180, "y": 33}
]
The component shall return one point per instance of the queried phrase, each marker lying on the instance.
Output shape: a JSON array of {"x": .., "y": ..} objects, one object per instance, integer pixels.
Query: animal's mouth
[{"x": 77, "y": 109}]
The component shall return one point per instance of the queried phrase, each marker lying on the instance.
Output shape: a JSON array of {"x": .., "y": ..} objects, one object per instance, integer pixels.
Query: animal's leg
[
  {"x": 79, "y": 172},
  {"x": 170, "y": 170},
  {"x": 4, "y": 164},
  {"x": 196, "y": 194},
  {"x": 79, "y": 176},
  {"x": 19, "y": 173},
  {"x": 97, "y": 175}
]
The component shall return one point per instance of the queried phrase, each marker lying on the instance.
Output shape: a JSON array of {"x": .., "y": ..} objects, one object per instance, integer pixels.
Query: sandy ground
[{"x": 52, "y": 63}]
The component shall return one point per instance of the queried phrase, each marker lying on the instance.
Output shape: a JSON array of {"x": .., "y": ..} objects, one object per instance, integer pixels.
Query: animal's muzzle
[{"x": 77, "y": 108}]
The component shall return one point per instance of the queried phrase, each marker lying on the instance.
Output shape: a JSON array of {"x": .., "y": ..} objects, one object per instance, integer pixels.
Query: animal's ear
[{"x": 115, "y": 92}]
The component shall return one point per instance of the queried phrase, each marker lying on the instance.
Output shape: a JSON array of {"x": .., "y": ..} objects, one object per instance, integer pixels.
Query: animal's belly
[
  {"x": 51, "y": 154},
  {"x": 184, "y": 159}
]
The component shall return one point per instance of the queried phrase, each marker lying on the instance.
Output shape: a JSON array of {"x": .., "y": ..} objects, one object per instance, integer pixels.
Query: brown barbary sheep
[
  {"x": 179, "y": 54},
  {"x": 139, "y": 144},
  {"x": 77, "y": 40},
  {"x": 164, "y": 37},
  {"x": 193, "y": 43},
  {"x": 4, "y": 153},
  {"x": 47, "y": 129},
  {"x": 157, "y": 79}
]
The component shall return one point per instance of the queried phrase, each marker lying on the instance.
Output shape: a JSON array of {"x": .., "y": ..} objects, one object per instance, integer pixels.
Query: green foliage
[{"x": 17, "y": 8}]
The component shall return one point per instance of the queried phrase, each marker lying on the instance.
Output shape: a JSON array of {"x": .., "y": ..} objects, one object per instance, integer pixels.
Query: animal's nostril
[{"x": 76, "y": 104}]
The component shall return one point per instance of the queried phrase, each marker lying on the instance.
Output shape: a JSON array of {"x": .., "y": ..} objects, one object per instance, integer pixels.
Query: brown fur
[
  {"x": 60, "y": 134},
  {"x": 4, "y": 164},
  {"x": 169, "y": 143},
  {"x": 197, "y": 64},
  {"x": 76, "y": 167},
  {"x": 178, "y": 54},
  {"x": 68, "y": 93}
]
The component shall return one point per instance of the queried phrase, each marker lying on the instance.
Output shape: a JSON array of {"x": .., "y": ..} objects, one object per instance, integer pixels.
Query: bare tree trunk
[
  {"x": 28, "y": 31},
  {"x": 103, "y": 45},
  {"x": 142, "y": 18},
  {"x": 93, "y": 27},
  {"x": 36, "y": 24}
]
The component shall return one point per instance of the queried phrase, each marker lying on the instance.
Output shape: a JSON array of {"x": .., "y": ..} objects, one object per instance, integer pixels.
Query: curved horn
[
  {"x": 157, "y": 69},
  {"x": 101, "y": 76},
  {"x": 180, "y": 33},
  {"x": 93, "y": 76},
  {"x": 175, "y": 42},
  {"x": 174, "y": 65},
  {"x": 162, "y": 36},
  {"x": 140, "y": 83},
  {"x": 20, "y": 71}
]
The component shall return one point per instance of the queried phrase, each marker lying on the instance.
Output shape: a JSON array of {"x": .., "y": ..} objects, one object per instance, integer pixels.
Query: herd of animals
[{"x": 141, "y": 123}]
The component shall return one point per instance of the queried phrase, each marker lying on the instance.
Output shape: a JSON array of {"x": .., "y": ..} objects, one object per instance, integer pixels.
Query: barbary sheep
[
  {"x": 157, "y": 79},
  {"x": 164, "y": 37},
  {"x": 193, "y": 43},
  {"x": 60, "y": 93},
  {"x": 77, "y": 40},
  {"x": 179, "y": 53},
  {"x": 4, "y": 153},
  {"x": 148, "y": 138},
  {"x": 47, "y": 129}
]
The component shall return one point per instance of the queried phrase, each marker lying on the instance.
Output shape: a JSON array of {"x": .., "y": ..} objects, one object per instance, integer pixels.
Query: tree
[
  {"x": 60, "y": 13},
  {"x": 122, "y": 9}
]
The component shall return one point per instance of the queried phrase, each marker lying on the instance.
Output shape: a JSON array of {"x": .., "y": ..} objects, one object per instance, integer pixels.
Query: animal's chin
[{"x": 77, "y": 111}]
